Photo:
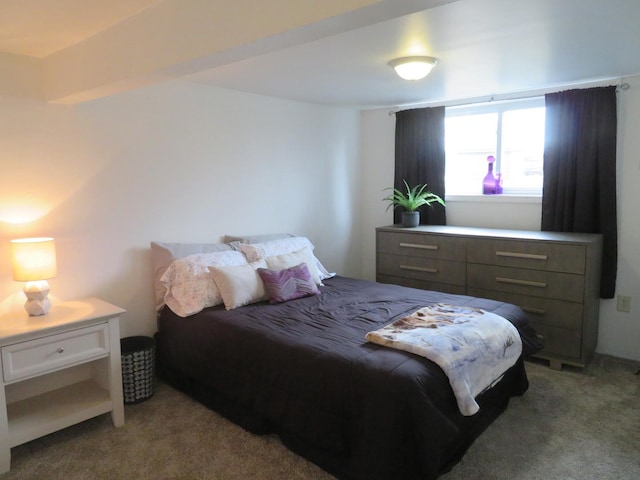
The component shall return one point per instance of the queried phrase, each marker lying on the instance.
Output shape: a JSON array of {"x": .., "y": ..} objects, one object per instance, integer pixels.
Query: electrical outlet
[{"x": 624, "y": 303}]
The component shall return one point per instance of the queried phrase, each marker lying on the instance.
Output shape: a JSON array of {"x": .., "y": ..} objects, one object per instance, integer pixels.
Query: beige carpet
[{"x": 569, "y": 425}]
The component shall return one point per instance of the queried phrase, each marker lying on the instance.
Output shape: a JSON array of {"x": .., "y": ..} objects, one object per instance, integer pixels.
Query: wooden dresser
[{"x": 554, "y": 277}]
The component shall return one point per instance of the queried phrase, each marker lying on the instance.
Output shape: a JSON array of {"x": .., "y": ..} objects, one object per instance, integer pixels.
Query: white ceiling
[
  {"x": 38, "y": 28},
  {"x": 484, "y": 47}
]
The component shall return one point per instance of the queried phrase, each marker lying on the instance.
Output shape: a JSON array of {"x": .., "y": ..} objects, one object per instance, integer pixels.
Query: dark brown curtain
[
  {"x": 420, "y": 157},
  {"x": 579, "y": 192}
]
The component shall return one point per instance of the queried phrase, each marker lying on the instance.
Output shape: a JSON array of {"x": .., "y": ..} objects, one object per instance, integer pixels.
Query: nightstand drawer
[
  {"x": 428, "y": 246},
  {"x": 553, "y": 257},
  {"x": 42, "y": 355}
]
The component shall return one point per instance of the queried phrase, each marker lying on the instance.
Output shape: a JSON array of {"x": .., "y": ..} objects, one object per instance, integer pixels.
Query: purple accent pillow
[{"x": 288, "y": 284}]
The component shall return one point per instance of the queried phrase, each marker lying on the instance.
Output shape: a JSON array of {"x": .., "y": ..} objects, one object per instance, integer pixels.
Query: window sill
[{"x": 502, "y": 198}]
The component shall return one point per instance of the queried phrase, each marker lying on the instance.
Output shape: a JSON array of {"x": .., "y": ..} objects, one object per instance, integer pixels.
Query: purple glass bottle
[
  {"x": 498, "y": 183},
  {"x": 489, "y": 182}
]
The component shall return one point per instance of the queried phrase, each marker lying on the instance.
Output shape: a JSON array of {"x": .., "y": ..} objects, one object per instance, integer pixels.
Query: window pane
[
  {"x": 511, "y": 131},
  {"x": 469, "y": 139},
  {"x": 522, "y": 150}
]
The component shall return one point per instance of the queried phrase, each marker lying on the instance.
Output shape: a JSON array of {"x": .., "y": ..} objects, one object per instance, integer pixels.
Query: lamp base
[{"x": 37, "y": 302}]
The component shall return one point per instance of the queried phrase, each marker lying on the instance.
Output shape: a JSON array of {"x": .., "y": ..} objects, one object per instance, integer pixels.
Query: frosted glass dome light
[{"x": 413, "y": 68}]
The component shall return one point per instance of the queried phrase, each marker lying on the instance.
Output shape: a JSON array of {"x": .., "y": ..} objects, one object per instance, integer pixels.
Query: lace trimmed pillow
[{"x": 189, "y": 285}]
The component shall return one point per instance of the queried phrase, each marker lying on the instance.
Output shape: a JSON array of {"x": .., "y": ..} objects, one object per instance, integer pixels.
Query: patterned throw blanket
[{"x": 474, "y": 348}]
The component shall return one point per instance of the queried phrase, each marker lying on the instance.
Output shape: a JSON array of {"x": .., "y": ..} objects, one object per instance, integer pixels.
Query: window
[{"x": 511, "y": 131}]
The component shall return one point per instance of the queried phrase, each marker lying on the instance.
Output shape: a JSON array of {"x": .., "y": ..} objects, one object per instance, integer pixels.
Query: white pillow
[
  {"x": 188, "y": 282},
  {"x": 240, "y": 284},
  {"x": 235, "y": 239},
  {"x": 288, "y": 260},
  {"x": 255, "y": 251}
]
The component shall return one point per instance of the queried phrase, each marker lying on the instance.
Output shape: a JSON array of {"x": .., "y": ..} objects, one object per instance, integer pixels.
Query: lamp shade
[
  {"x": 33, "y": 259},
  {"x": 413, "y": 68}
]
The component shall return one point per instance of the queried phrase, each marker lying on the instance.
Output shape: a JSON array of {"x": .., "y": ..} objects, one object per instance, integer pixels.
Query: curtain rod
[{"x": 623, "y": 87}]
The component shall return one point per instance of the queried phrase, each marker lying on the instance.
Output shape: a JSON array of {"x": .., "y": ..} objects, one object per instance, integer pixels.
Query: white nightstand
[{"x": 57, "y": 370}]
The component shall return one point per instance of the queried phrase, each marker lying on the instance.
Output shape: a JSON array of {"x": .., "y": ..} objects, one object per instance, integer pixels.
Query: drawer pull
[
  {"x": 540, "y": 336},
  {"x": 419, "y": 269},
  {"x": 521, "y": 282},
  {"x": 532, "y": 256},
  {"x": 538, "y": 311},
  {"x": 417, "y": 245},
  {"x": 60, "y": 350}
]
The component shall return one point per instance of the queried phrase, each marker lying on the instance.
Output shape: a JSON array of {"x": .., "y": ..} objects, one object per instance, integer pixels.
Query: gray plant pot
[{"x": 410, "y": 219}]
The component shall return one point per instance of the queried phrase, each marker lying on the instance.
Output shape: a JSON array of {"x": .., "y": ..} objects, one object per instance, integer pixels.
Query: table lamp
[{"x": 34, "y": 262}]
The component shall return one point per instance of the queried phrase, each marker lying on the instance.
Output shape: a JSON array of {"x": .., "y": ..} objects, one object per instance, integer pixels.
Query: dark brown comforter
[{"x": 304, "y": 370}]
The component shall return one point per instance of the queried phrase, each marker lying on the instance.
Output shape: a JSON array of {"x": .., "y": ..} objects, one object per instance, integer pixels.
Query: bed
[{"x": 302, "y": 369}]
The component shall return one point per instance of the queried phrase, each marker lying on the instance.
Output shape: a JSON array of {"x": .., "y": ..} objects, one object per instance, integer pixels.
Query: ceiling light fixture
[{"x": 413, "y": 68}]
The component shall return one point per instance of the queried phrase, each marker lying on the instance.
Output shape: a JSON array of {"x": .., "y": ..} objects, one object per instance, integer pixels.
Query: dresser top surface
[{"x": 496, "y": 233}]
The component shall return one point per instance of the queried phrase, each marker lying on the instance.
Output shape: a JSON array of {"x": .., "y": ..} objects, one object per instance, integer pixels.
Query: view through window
[{"x": 512, "y": 132}]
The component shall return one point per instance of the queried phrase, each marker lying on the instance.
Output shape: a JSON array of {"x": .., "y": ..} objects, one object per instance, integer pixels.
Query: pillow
[
  {"x": 188, "y": 283},
  {"x": 288, "y": 260},
  {"x": 233, "y": 239},
  {"x": 281, "y": 246},
  {"x": 162, "y": 254},
  {"x": 256, "y": 251},
  {"x": 240, "y": 284},
  {"x": 288, "y": 283}
]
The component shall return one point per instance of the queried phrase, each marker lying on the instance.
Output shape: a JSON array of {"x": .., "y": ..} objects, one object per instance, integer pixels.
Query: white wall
[
  {"x": 171, "y": 162},
  {"x": 619, "y": 333}
]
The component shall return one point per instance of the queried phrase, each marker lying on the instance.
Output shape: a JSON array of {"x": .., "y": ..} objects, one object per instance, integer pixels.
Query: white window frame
[{"x": 498, "y": 107}]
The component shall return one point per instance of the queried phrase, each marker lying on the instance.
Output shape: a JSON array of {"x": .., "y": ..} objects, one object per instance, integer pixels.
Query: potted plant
[{"x": 411, "y": 201}]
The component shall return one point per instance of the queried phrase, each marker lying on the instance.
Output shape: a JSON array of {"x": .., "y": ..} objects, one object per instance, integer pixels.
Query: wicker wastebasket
[{"x": 138, "y": 368}]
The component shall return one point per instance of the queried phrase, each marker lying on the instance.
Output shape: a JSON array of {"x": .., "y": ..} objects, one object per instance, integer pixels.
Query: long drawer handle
[
  {"x": 539, "y": 311},
  {"x": 521, "y": 282},
  {"x": 532, "y": 256},
  {"x": 419, "y": 269},
  {"x": 417, "y": 245}
]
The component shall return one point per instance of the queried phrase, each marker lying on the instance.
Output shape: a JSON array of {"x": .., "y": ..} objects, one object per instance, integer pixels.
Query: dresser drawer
[
  {"x": 34, "y": 357},
  {"x": 542, "y": 311},
  {"x": 428, "y": 269},
  {"x": 559, "y": 341},
  {"x": 429, "y": 246},
  {"x": 554, "y": 257},
  {"x": 537, "y": 283},
  {"x": 422, "y": 284}
]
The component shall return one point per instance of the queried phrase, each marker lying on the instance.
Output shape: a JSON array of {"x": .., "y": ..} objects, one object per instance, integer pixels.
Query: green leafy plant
[{"x": 413, "y": 198}]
